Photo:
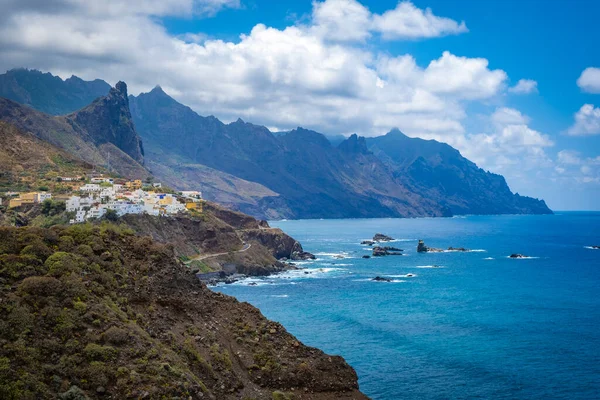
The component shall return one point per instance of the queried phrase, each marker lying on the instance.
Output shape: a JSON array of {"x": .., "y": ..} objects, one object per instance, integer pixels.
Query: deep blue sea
[{"x": 481, "y": 326}]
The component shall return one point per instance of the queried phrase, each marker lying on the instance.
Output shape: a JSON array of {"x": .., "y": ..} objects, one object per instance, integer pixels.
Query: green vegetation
[
  {"x": 51, "y": 207},
  {"x": 70, "y": 327}
]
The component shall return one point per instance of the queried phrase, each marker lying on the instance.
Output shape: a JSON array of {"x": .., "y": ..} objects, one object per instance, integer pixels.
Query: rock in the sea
[
  {"x": 368, "y": 242},
  {"x": 421, "y": 248},
  {"x": 516, "y": 255},
  {"x": 366, "y": 256},
  {"x": 386, "y": 251},
  {"x": 298, "y": 253},
  {"x": 381, "y": 279},
  {"x": 458, "y": 249},
  {"x": 595, "y": 247},
  {"x": 380, "y": 237}
]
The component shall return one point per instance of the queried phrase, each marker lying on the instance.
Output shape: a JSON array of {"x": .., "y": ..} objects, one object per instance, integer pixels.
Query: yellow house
[
  {"x": 133, "y": 185},
  {"x": 28, "y": 198},
  {"x": 15, "y": 203},
  {"x": 165, "y": 201},
  {"x": 194, "y": 206}
]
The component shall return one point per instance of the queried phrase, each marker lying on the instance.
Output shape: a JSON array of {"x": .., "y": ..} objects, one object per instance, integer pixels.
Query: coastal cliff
[{"x": 95, "y": 311}]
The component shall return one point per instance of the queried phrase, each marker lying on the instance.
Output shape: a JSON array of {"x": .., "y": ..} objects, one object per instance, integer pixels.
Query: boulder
[
  {"x": 380, "y": 237},
  {"x": 368, "y": 242},
  {"x": 386, "y": 251},
  {"x": 421, "y": 248},
  {"x": 516, "y": 255},
  {"x": 381, "y": 279},
  {"x": 458, "y": 249},
  {"x": 298, "y": 253},
  {"x": 366, "y": 256}
]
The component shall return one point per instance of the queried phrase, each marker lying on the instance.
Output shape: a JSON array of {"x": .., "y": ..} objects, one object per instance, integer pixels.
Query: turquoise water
[{"x": 480, "y": 326}]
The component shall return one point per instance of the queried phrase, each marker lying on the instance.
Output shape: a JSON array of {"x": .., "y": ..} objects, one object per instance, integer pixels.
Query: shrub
[
  {"x": 51, "y": 207},
  {"x": 38, "y": 250},
  {"x": 96, "y": 352},
  {"x": 61, "y": 263},
  {"x": 40, "y": 286},
  {"x": 116, "y": 336}
]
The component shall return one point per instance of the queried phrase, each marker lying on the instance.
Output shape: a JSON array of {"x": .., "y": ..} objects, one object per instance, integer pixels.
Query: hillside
[
  {"x": 27, "y": 162},
  {"x": 50, "y": 94},
  {"x": 97, "y": 312},
  {"x": 101, "y": 134}
]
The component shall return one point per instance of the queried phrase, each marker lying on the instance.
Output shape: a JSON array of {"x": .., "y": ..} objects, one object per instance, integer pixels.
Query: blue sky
[{"x": 344, "y": 66}]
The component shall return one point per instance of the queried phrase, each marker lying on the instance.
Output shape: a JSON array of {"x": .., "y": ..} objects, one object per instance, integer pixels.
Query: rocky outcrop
[
  {"x": 422, "y": 248},
  {"x": 368, "y": 242},
  {"x": 108, "y": 120},
  {"x": 298, "y": 253},
  {"x": 379, "y": 237},
  {"x": 386, "y": 251},
  {"x": 517, "y": 255},
  {"x": 381, "y": 279},
  {"x": 459, "y": 249}
]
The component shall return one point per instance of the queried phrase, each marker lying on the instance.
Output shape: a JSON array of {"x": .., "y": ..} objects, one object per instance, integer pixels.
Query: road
[{"x": 205, "y": 256}]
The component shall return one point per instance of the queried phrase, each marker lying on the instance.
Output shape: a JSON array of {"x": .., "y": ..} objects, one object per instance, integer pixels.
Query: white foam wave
[
  {"x": 428, "y": 266},
  {"x": 371, "y": 280},
  {"x": 311, "y": 273},
  {"x": 522, "y": 258},
  {"x": 403, "y": 276},
  {"x": 591, "y": 247},
  {"x": 280, "y": 295},
  {"x": 489, "y": 258}
]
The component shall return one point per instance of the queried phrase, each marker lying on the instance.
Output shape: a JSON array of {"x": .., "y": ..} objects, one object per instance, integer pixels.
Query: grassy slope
[{"x": 97, "y": 311}]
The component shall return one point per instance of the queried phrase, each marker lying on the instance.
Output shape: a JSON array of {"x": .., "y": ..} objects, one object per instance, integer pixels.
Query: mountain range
[{"x": 295, "y": 174}]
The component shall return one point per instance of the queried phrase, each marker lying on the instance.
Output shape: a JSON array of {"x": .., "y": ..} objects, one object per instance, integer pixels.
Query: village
[{"x": 101, "y": 195}]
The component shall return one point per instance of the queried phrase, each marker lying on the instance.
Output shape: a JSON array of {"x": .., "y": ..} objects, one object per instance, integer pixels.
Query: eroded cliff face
[
  {"x": 221, "y": 239},
  {"x": 93, "y": 311}
]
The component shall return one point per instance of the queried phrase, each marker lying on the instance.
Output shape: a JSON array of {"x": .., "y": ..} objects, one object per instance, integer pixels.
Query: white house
[
  {"x": 41, "y": 196},
  {"x": 192, "y": 194},
  {"x": 90, "y": 187}
]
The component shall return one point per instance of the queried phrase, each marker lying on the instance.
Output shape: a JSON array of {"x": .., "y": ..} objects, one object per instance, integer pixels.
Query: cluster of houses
[
  {"x": 98, "y": 199},
  {"x": 94, "y": 199}
]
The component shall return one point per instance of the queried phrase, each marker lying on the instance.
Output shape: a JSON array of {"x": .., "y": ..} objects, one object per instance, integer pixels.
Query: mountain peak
[
  {"x": 354, "y": 144},
  {"x": 121, "y": 88},
  {"x": 157, "y": 90}
]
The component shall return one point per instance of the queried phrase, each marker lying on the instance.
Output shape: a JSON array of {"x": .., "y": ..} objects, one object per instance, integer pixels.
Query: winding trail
[{"x": 205, "y": 256}]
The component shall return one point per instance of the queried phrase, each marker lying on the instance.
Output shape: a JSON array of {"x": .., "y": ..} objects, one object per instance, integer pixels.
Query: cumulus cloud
[
  {"x": 589, "y": 80},
  {"x": 318, "y": 75},
  {"x": 407, "y": 21},
  {"x": 509, "y": 146},
  {"x": 573, "y": 166},
  {"x": 349, "y": 20},
  {"x": 343, "y": 20},
  {"x": 587, "y": 121},
  {"x": 524, "y": 86}
]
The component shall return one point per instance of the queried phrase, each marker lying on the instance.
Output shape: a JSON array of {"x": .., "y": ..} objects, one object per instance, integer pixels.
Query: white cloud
[
  {"x": 577, "y": 168},
  {"x": 349, "y": 20},
  {"x": 504, "y": 116},
  {"x": 343, "y": 20},
  {"x": 589, "y": 81},
  {"x": 407, "y": 21},
  {"x": 587, "y": 121},
  {"x": 524, "y": 86},
  {"x": 569, "y": 157}
]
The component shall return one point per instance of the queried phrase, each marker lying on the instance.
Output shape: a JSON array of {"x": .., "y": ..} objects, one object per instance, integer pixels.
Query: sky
[{"x": 514, "y": 85}]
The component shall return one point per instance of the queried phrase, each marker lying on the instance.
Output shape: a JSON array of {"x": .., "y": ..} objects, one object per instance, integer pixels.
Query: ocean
[{"x": 450, "y": 325}]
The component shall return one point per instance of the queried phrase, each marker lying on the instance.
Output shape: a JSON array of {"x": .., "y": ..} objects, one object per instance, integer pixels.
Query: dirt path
[{"x": 205, "y": 256}]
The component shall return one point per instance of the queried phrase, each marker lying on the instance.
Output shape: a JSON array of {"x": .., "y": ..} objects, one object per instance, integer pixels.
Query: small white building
[
  {"x": 41, "y": 196},
  {"x": 192, "y": 194},
  {"x": 90, "y": 187}
]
